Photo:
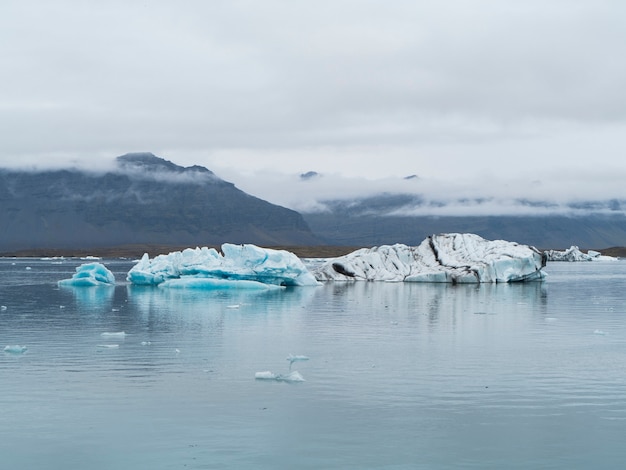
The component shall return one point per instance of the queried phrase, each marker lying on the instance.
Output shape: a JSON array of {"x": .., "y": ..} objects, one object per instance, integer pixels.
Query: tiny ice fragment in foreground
[
  {"x": 294, "y": 376},
  {"x": 291, "y": 358},
  {"x": 109, "y": 346},
  {"x": 117, "y": 334},
  {"x": 15, "y": 349},
  {"x": 599, "y": 332}
]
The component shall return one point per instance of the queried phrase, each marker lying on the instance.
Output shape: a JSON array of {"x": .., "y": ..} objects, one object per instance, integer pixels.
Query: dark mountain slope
[
  {"x": 368, "y": 222},
  {"x": 145, "y": 200}
]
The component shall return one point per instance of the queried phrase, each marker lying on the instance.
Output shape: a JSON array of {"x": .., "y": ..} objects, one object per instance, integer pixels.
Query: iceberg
[
  {"x": 451, "y": 258},
  {"x": 90, "y": 274},
  {"x": 238, "y": 263},
  {"x": 573, "y": 253}
]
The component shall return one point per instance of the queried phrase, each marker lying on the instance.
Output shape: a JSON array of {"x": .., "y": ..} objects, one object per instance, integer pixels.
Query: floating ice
[
  {"x": 3, "y": 307},
  {"x": 291, "y": 358},
  {"x": 90, "y": 274},
  {"x": 599, "y": 332},
  {"x": 109, "y": 346},
  {"x": 573, "y": 253},
  {"x": 454, "y": 258},
  {"x": 117, "y": 334},
  {"x": 239, "y": 263},
  {"x": 294, "y": 376},
  {"x": 146, "y": 343},
  {"x": 15, "y": 349},
  {"x": 190, "y": 282}
]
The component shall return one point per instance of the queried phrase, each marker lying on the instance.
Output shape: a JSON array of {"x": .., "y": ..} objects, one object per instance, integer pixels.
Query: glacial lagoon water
[{"x": 399, "y": 376}]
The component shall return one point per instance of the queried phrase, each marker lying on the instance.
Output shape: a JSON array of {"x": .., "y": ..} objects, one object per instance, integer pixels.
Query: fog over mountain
[
  {"x": 143, "y": 199},
  {"x": 552, "y": 210}
]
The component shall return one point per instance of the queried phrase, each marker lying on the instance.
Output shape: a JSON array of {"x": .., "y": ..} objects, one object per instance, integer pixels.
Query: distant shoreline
[{"x": 137, "y": 251}]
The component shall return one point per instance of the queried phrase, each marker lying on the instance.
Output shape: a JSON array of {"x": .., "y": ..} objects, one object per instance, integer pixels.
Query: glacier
[
  {"x": 207, "y": 268},
  {"x": 90, "y": 274},
  {"x": 573, "y": 253},
  {"x": 450, "y": 258}
]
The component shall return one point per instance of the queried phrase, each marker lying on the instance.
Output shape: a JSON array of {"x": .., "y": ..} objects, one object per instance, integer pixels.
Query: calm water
[{"x": 400, "y": 375}]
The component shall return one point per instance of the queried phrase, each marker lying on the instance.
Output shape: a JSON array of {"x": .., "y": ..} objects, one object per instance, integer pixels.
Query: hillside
[
  {"x": 144, "y": 200},
  {"x": 374, "y": 221}
]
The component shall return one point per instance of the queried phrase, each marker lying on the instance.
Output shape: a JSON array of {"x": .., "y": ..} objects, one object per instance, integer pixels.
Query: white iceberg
[
  {"x": 90, "y": 274},
  {"x": 573, "y": 253},
  {"x": 451, "y": 258},
  {"x": 15, "y": 349},
  {"x": 238, "y": 263}
]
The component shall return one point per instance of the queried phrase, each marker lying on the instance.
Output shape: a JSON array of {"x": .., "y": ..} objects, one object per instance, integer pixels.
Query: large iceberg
[
  {"x": 249, "y": 263},
  {"x": 90, "y": 274},
  {"x": 453, "y": 258},
  {"x": 573, "y": 253}
]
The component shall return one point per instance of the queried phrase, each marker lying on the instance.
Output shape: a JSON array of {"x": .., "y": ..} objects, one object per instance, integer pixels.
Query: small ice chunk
[
  {"x": 294, "y": 376},
  {"x": 233, "y": 306},
  {"x": 117, "y": 334},
  {"x": 146, "y": 343},
  {"x": 265, "y": 375},
  {"x": 3, "y": 307},
  {"x": 599, "y": 332},
  {"x": 109, "y": 346},
  {"x": 291, "y": 358},
  {"x": 15, "y": 349}
]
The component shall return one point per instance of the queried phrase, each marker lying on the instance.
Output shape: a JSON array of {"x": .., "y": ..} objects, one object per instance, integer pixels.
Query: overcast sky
[{"x": 469, "y": 92}]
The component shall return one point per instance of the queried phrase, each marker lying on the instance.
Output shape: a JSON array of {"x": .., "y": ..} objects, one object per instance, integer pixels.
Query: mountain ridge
[{"x": 144, "y": 200}]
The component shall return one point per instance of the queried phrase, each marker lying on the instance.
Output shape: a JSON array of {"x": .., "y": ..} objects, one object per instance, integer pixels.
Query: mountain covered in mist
[
  {"x": 143, "y": 200},
  {"x": 409, "y": 219}
]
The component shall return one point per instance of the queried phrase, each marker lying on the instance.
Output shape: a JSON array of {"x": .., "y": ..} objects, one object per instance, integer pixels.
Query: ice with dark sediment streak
[
  {"x": 15, "y": 349},
  {"x": 89, "y": 275},
  {"x": 452, "y": 258},
  {"x": 294, "y": 376}
]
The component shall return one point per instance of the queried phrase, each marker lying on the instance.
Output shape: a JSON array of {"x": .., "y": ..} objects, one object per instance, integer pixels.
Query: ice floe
[
  {"x": 294, "y": 376},
  {"x": 208, "y": 269},
  {"x": 573, "y": 253},
  {"x": 15, "y": 349},
  {"x": 114, "y": 334},
  {"x": 90, "y": 274},
  {"x": 452, "y": 258},
  {"x": 291, "y": 358}
]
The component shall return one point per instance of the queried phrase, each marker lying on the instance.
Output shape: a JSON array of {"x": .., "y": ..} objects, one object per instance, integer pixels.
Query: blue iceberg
[
  {"x": 90, "y": 274},
  {"x": 207, "y": 269}
]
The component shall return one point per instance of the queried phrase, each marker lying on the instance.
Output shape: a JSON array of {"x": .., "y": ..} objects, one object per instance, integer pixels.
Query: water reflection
[
  {"x": 439, "y": 303},
  {"x": 92, "y": 296}
]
